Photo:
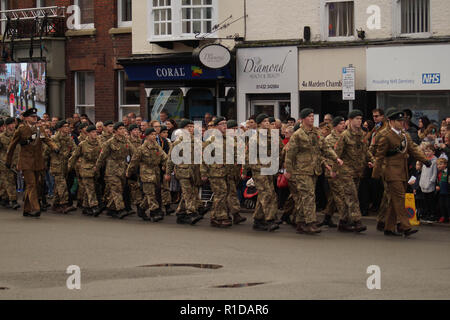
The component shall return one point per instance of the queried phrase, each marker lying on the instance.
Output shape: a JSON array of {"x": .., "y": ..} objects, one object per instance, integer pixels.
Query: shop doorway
[{"x": 280, "y": 109}]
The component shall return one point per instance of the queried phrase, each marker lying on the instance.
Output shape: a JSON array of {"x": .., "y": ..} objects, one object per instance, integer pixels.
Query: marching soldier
[
  {"x": 88, "y": 151},
  {"x": 149, "y": 157},
  {"x": 31, "y": 162},
  {"x": 394, "y": 147},
  {"x": 303, "y": 165},
  {"x": 102, "y": 191},
  {"x": 166, "y": 199},
  {"x": 108, "y": 128},
  {"x": 8, "y": 176}
]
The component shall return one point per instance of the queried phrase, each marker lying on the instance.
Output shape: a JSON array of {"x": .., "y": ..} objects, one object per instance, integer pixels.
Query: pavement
[{"x": 133, "y": 259}]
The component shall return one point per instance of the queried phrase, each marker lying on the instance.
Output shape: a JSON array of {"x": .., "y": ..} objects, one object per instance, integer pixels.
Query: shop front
[
  {"x": 320, "y": 80},
  {"x": 266, "y": 82},
  {"x": 415, "y": 77}
]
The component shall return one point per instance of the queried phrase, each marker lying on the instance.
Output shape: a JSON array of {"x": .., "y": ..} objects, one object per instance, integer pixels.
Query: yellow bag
[{"x": 410, "y": 205}]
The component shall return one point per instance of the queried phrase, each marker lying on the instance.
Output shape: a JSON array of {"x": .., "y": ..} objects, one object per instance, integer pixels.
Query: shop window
[
  {"x": 414, "y": 16},
  {"x": 229, "y": 108},
  {"x": 340, "y": 20},
  {"x": 124, "y": 13},
  {"x": 85, "y": 94},
  {"x": 200, "y": 102},
  {"x": 86, "y": 13},
  {"x": 129, "y": 96},
  {"x": 170, "y": 100}
]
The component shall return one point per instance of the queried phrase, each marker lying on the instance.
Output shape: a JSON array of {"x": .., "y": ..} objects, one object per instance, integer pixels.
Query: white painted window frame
[
  {"x": 3, "y": 6},
  {"x": 120, "y": 85},
  {"x": 397, "y": 22},
  {"x": 325, "y": 21},
  {"x": 120, "y": 22},
  {"x": 177, "y": 28},
  {"x": 84, "y": 26},
  {"x": 77, "y": 104}
]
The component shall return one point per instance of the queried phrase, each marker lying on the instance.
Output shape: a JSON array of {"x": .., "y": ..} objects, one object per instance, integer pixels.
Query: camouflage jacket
[
  {"x": 331, "y": 141},
  {"x": 136, "y": 142},
  {"x": 219, "y": 170},
  {"x": 116, "y": 153},
  {"x": 352, "y": 148},
  {"x": 184, "y": 170},
  {"x": 88, "y": 151},
  {"x": 5, "y": 139},
  {"x": 104, "y": 137},
  {"x": 149, "y": 157},
  {"x": 307, "y": 150},
  {"x": 264, "y": 144},
  {"x": 58, "y": 161}
]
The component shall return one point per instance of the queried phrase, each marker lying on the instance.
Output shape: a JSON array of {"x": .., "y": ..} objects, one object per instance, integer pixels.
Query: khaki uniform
[
  {"x": 149, "y": 157},
  {"x": 114, "y": 153},
  {"x": 392, "y": 161},
  {"x": 88, "y": 152},
  {"x": 7, "y": 176},
  {"x": 133, "y": 184},
  {"x": 304, "y": 159},
  {"x": 353, "y": 150},
  {"x": 335, "y": 200}
]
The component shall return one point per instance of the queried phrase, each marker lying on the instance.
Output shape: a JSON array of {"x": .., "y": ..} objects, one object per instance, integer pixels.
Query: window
[
  {"x": 86, "y": 13},
  {"x": 3, "y": 6},
  {"x": 415, "y": 16},
  {"x": 168, "y": 99},
  {"x": 85, "y": 93},
  {"x": 340, "y": 19},
  {"x": 45, "y": 3},
  {"x": 124, "y": 13},
  {"x": 129, "y": 96},
  {"x": 181, "y": 19}
]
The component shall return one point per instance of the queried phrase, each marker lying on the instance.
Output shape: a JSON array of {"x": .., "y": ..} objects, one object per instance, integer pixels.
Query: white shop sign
[
  {"x": 408, "y": 68},
  {"x": 348, "y": 83}
]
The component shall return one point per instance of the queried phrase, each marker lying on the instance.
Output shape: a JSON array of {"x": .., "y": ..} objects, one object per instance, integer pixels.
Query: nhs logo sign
[{"x": 431, "y": 78}]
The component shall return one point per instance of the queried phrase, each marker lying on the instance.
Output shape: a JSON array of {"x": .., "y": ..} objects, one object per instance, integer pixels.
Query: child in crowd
[
  {"x": 418, "y": 194},
  {"x": 443, "y": 189},
  {"x": 428, "y": 182}
]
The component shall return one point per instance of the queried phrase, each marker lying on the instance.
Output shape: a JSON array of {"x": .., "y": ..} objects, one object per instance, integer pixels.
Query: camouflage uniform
[
  {"x": 88, "y": 151},
  {"x": 7, "y": 176},
  {"x": 166, "y": 198},
  {"x": 115, "y": 153},
  {"x": 334, "y": 201},
  {"x": 133, "y": 184},
  {"x": 58, "y": 167},
  {"x": 353, "y": 150},
  {"x": 149, "y": 157},
  {"x": 304, "y": 161},
  {"x": 103, "y": 192}
]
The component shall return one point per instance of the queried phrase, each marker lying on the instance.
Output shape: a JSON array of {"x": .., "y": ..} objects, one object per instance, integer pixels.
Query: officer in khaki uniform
[
  {"x": 393, "y": 150},
  {"x": 31, "y": 162},
  {"x": 149, "y": 157},
  {"x": 304, "y": 159},
  {"x": 88, "y": 151},
  {"x": 8, "y": 176}
]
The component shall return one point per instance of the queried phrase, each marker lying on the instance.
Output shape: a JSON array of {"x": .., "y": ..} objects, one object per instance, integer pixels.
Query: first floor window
[
  {"x": 124, "y": 14},
  {"x": 129, "y": 96},
  {"x": 415, "y": 16},
  {"x": 85, "y": 93},
  {"x": 196, "y": 16},
  {"x": 340, "y": 19},
  {"x": 86, "y": 13},
  {"x": 162, "y": 17},
  {"x": 45, "y": 3}
]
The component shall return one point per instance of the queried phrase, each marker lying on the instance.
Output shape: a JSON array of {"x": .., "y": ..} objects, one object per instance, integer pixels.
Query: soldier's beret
[
  {"x": 9, "y": 121},
  {"x": 117, "y": 125},
  {"x": 260, "y": 118},
  {"x": 91, "y": 128},
  {"x": 394, "y": 114},
  {"x": 185, "y": 122},
  {"x": 61, "y": 123},
  {"x": 108, "y": 123},
  {"x": 355, "y": 113},
  {"x": 2, "y": 122},
  {"x": 271, "y": 119},
  {"x": 218, "y": 120},
  {"x": 232, "y": 124},
  {"x": 337, "y": 120},
  {"x": 133, "y": 126},
  {"x": 149, "y": 131},
  {"x": 83, "y": 125},
  {"x": 164, "y": 128},
  {"x": 305, "y": 112},
  {"x": 297, "y": 126},
  {"x": 30, "y": 112}
]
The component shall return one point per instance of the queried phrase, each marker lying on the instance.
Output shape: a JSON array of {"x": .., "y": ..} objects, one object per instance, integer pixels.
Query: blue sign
[
  {"x": 431, "y": 78},
  {"x": 148, "y": 72}
]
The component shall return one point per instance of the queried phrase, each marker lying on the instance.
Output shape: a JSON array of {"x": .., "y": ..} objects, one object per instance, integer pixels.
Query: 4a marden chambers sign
[{"x": 267, "y": 70}]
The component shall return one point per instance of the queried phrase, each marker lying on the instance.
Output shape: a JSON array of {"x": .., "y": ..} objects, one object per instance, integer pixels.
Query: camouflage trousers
[
  {"x": 149, "y": 200},
  {"x": 385, "y": 203},
  {"x": 114, "y": 197},
  {"x": 60, "y": 190},
  {"x": 189, "y": 196},
  {"x": 135, "y": 192},
  {"x": 90, "y": 198},
  {"x": 166, "y": 198},
  {"x": 346, "y": 198},
  {"x": 223, "y": 202},
  {"x": 8, "y": 185},
  {"x": 266, "y": 205},
  {"x": 289, "y": 205},
  {"x": 305, "y": 198}
]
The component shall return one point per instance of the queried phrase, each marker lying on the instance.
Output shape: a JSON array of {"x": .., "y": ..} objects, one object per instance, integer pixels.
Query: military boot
[
  {"x": 7, "y": 205},
  {"x": 215, "y": 223},
  {"x": 169, "y": 210},
  {"x": 272, "y": 225},
  {"x": 327, "y": 221},
  {"x": 344, "y": 226},
  {"x": 95, "y": 211},
  {"x": 380, "y": 226},
  {"x": 304, "y": 228},
  {"x": 359, "y": 227},
  {"x": 69, "y": 208},
  {"x": 3, "y": 202},
  {"x": 113, "y": 213},
  {"x": 87, "y": 211},
  {"x": 203, "y": 210},
  {"x": 156, "y": 215},
  {"x": 193, "y": 218},
  {"x": 125, "y": 213},
  {"x": 237, "y": 218},
  {"x": 35, "y": 214},
  {"x": 15, "y": 205},
  {"x": 260, "y": 225},
  {"x": 182, "y": 219}
]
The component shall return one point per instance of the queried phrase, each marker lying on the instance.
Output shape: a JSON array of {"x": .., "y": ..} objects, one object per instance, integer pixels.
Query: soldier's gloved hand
[{"x": 427, "y": 163}]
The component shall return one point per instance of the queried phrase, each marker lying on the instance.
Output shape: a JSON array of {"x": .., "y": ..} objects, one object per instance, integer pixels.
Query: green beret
[
  {"x": 260, "y": 118},
  {"x": 108, "y": 122},
  {"x": 297, "y": 126},
  {"x": 164, "y": 128},
  {"x": 83, "y": 125},
  {"x": 305, "y": 112},
  {"x": 271, "y": 119},
  {"x": 117, "y": 125},
  {"x": 218, "y": 120},
  {"x": 355, "y": 113},
  {"x": 91, "y": 128},
  {"x": 232, "y": 124},
  {"x": 185, "y": 122},
  {"x": 133, "y": 126},
  {"x": 337, "y": 120},
  {"x": 394, "y": 114},
  {"x": 149, "y": 131},
  {"x": 61, "y": 123},
  {"x": 9, "y": 121}
]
